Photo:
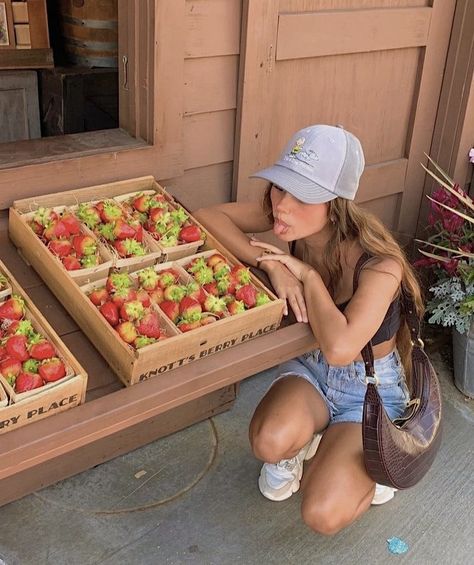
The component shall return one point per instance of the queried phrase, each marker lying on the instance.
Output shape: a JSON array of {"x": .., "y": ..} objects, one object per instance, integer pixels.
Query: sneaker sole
[
  {"x": 383, "y": 498},
  {"x": 262, "y": 485}
]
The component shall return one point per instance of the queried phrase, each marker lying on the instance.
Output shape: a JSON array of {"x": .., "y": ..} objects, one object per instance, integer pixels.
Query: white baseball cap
[{"x": 318, "y": 164}]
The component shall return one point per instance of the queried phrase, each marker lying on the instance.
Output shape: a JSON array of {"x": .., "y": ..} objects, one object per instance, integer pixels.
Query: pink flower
[
  {"x": 452, "y": 222},
  {"x": 425, "y": 262},
  {"x": 451, "y": 267}
]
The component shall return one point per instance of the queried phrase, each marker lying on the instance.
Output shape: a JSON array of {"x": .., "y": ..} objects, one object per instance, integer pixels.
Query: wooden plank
[
  {"x": 208, "y": 138},
  {"x": 425, "y": 112},
  {"x": 212, "y": 28},
  {"x": 20, "y": 12},
  {"x": 38, "y": 18},
  {"x": 19, "y": 107},
  {"x": 256, "y": 77},
  {"x": 55, "y": 469},
  {"x": 386, "y": 209},
  {"x": 201, "y": 187},
  {"x": 210, "y": 84},
  {"x": 26, "y": 59},
  {"x": 355, "y": 31},
  {"x": 117, "y": 412},
  {"x": 22, "y": 35},
  {"x": 52, "y": 310},
  {"x": 382, "y": 179}
]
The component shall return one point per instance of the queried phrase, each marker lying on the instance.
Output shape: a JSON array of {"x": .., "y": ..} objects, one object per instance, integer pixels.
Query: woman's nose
[{"x": 284, "y": 203}]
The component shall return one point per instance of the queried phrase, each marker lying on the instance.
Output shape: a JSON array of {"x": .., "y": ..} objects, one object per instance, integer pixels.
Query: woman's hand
[{"x": 285, "y": 282}]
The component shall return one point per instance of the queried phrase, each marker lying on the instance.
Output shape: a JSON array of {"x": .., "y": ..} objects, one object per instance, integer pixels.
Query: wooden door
[
  {"x": 19, "y": 106},
  {"x": 374, "y": 66}
]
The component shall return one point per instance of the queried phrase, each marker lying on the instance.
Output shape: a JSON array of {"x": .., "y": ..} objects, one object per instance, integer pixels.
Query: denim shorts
[{"x": 343, "y": 388}]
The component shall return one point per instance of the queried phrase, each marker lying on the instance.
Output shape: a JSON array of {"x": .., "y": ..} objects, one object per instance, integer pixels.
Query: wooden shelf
[{"x": 26, "y": 59}]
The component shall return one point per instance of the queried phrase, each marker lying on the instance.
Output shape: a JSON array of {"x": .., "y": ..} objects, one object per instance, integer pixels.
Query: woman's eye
[{"x": 277, "y": 188}]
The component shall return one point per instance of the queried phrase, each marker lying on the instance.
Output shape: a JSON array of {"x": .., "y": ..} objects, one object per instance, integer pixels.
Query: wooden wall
[{"x": 211, "y": 65}]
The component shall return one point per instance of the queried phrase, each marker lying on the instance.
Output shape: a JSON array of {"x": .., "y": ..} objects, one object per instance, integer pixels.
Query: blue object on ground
[{"x": 397, "y": 546}]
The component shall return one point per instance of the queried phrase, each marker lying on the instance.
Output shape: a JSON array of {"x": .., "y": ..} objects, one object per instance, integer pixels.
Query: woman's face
[{"x": 295, "y": 219}]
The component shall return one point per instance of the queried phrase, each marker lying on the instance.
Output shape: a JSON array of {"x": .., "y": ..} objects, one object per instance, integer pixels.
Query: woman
[{"x": 314, "y": 408}]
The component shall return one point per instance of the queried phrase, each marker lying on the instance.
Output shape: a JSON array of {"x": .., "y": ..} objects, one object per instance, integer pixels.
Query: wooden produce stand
[{"x": 117, "y": 419}]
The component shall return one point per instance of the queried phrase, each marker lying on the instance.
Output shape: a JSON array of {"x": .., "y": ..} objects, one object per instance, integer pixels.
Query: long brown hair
[{"x": 353, "y": 223}]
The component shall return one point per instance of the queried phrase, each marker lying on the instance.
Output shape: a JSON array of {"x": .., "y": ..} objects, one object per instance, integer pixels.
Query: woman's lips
[{"x": 280, "y": 227}]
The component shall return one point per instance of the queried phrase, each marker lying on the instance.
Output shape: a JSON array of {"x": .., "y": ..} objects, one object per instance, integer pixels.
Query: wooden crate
[
  {"x": 133, "y": 366},
  {"x": 22, "y": 409}
]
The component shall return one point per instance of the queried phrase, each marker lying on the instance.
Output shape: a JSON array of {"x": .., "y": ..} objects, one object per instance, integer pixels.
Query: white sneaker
[
  {"x": 383, "y": 494},
  {"x": 278, "y": 481}
]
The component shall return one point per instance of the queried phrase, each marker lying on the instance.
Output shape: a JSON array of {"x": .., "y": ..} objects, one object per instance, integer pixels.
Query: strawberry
[
  {"x": 171, "y": 309},
  {"x": 52, "y": 370},
  {"x": 241, "y": 273},
  {"x": 71, "y": 263},
  {"x": 43, "y": 216},
  {"x": 42, "y": 350},
  {"x": 143, "y": 341},
  {"x": 135, "y": 224},
  {"x": 143, "y": 297},
  {"x": 248, "y": 294},
  {"x": 55, "y": 230},
  {"x": 204, "y": 276},
  {"x": 110, "y": 312},
  {"x": 71, "y": 222},
  {"x": 3, "y": 353},
  {"x": 127, "y": 332},
  {"x": 60, "y": 247},
  {"x": 129, "y": 248},
  {"x": 10, "y": 369},
  {"x": 168, "y": 277},
  {"x": 88, "y": 261},
  {"x": 99, "y": 296},
  {"x": 31, "y": 366},
  {"x": 28, "y": 381},
  {"x": 13, "y": 308},
  {"x": 123, "y": 295},
  {"x": 226, "y": 285},
  {"x": 149, "y": 325},
  {"x": 37, "y": 228},
  {"x": 190, "y": 309},
  {"x": 189, "y": 234},
  {"x": 195, "y": 291},
  {"x": 174, "y": 292},
  {"x": 186, "y": 326},
  {"x": 214, "y": 259},
  {"x": 116, "y": 281},
  {"x": 109, "y": 211},
  {"x": 261, "y": 299},
  {"x": 157, "y": 295},
  {"x": 148, "y": 278},
  {"x": 196, "y": 264},
  {"x": 179, "y": 216},
  {"x": 221, "y": 270},
  {"x": 132, "y": 310},
  {"x": 211, "y": 288},
  {"x": 141, "y": 203},
  {"x": 84, "y": 245},
  {"x": 123, "y": 231},
  {"x": 88, "y": 214},
  {"x": 157, "y": 214},
  {"x": 215, "y": 305},
  {"x": 16, "y": 347},
  {"x": 23, "y": 327},
  {"x": 236, "y": 307}
]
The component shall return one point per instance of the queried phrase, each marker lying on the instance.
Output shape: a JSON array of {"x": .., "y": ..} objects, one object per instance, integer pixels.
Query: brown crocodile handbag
[{"x": 399, "y": 453}]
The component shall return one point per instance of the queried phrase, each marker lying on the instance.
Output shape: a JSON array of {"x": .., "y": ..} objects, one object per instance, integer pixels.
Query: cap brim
[{"x": 299, "y": 186}]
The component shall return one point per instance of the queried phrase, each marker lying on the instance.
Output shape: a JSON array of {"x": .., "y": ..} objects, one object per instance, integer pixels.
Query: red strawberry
[
  {"x": 99, "y": 296},
  {"x": 13, "y": 308},
  {"x": 241, "y": 273},
  {"x": 236, "y": 307},
  {"x": 123, "y": 295},
  {"x": 71, "y": 222},
  {"x": 37, "y": 228},
  {"x": 55, "y": 230},
  {"x": 141, "y": 202},
  {"x": 204, "y": 276},
  {"x": 157, "y": 213},
  {"x": 27, "y": 381},
  {"x": 16, "y": 347},
  {"x": 88, "y": 261},
  {"x": 71, "y": 263},
  {"x": 226, "y": 285},
  {"x": 248, "y": 294},
  {"x": 190, "y": 309},
  {"x": 3, "y": 353},
  {"x": 186, "y": 326},
  {"x": 214, "y": 259},
  {"x": 148, "y": 278},
  {"x": 10, "y": 369},
  {"x": 167, "y": 278},
  {"x": 84, "y": 245},
  {"x": 88, "y": 214},
  {"x": 171, "y": 309},
  {"x": 52, "y": 370},
  {"x": 143, "y": 297},
  {"x": 143, "y": 341},
  {"x": 197, "y": 292},
  {"x": 123, "y": 231},
  {"x": 110, "y": 312},
  {"x": 116, "y": 281},
  {"x": 215, "y": 305},
  {"x": 60, "y": 247},
  {"x": 129, "y": 248},
  {"x": 109, "y": 211},
  {"x": 127, "y": 332},
  {"x": 24, "y": 327},
  {"x": 43, "y": 216},
  {"x": 188, "y": 234},
  {"x": 132, "y": 310},
  {"x": 149, "y": 325},
  {"x": 211, "y": 288},
  {"x": 42, "y": 350},
  {"x": 174, "y": 292},
  {"x": 157, "y": 295}
]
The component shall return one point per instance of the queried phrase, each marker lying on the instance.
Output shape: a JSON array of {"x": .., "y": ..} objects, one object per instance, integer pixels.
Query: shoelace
[{"x": 282, "y": 470}]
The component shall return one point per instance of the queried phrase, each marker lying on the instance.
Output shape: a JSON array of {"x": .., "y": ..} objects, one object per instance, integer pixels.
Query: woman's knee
[
  {"x": 325, "y": 517},
  {"x": 272, "y": 442}
]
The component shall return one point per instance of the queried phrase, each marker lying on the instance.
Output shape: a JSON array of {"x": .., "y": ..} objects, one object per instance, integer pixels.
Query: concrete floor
[{"x": 193, "y": 498}]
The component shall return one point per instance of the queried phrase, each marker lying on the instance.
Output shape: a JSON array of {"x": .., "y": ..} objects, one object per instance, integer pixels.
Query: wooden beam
[{"x": 356, "y": 31}]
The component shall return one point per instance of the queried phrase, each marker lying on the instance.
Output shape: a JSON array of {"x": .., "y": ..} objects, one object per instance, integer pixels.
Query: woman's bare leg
[
  {"x": 286, "y": 419},
  {"x": 336, "y": 488}
]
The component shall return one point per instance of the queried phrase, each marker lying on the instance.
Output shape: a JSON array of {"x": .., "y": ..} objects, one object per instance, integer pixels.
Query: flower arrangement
[{"x": 451, "y": 253}]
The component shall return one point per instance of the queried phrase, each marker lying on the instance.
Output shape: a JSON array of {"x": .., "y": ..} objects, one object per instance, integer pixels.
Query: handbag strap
[{"x": 408, "y": 307}]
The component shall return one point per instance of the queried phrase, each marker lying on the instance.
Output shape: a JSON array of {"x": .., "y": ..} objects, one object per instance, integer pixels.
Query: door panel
[{"x": 373, "y": 66}]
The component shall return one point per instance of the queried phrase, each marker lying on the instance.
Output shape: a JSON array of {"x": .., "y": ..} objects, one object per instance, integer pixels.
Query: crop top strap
[{"x": 363, "y": 260}]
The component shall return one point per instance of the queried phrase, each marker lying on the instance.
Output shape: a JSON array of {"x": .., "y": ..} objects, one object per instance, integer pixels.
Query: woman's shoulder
[{"x": 382, "y": 265}]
